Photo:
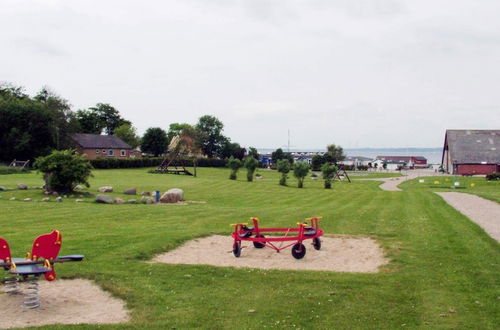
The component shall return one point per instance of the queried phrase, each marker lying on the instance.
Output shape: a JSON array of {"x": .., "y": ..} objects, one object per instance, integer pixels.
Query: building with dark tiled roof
[
  {"x": 103, "y": 146},
  {"x": 471, "y": 152}
]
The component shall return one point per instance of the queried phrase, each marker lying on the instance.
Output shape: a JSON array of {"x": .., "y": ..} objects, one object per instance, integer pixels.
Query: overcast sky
[{"x": 359, "y": 73}]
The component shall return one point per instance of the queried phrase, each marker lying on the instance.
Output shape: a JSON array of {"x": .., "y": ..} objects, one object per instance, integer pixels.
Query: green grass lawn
[{"x": 443, "y": 271}]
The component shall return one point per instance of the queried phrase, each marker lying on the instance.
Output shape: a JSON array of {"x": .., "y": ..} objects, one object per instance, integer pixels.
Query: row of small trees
[{"x": 300, "y": 170}]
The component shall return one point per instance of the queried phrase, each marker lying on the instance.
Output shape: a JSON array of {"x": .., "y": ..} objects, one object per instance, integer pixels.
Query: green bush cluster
[
  {"x": 493, "y": 176},
  {"x": 105, "y": 163}
]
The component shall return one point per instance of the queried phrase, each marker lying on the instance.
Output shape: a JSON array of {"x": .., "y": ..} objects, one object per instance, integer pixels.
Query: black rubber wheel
[
  {"x": 298, "y": 251},
  {"x": 237, "y": 249},
  {"x": 258, "y": 245},
  {"x": 317, "y": 243}
]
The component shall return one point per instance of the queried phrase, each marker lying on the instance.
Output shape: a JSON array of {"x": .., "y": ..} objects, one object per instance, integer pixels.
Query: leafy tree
[
  {"x": 211, "y": 133},
  {"x": 250, "y": 164},
  {"x": 317, "y": 161},
  {"x": 175, "y": 129},
  {"x": 328, "y": 174},
  {"x": 334, "y": 154},
  {"x": 234, "y": 164},
  {"x": 109, "y": 116},
  {"x": 231, "y": 149},
  {"x": 283, "y": 166},
  {"x": 252, "y": 152},
  {"x": 154, "y": 141},
  {"x": 279, "y": 154},
  {"x": 300, "y": 171},
  {"x": 128, "y": 134},
  {"x": 63, "y": 170},
  {"x": 89, "y": 121}
]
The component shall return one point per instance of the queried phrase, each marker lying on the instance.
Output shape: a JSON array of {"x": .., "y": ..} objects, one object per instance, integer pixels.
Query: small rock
[
  {"x": 451, "y": 311},
  {"x": 130, "y": 191},
  {"x": 27, "y": 199},
  {"x": 146, "y": 193},
  {"x": 118, "y": 200},
  {"x": 78, "y": 200},
  {"x": 65, "y": 196},
  {"x": 332, "y": 293},
  {"x": 172, "y": 196},
  {"x": 59, "y": 199},
  {"x": 105, "y": 189},
  {"x": 46, "y": 199},
  {"x": 12, "y": 199},
  {"x": 251, "y": 311},
  {"x": 80, "y": 196},
  {"x": 22, "y": 186},
  {"x": 443, "y": 315},
  {"x": 78, "y": 187},
  {"x": 147, "y": 200},
  {"x": 46, "y": 192},
  {"x": 132, "y": 201},
  {"x": 54, "y": 193},
  {"x": 188, "y": 275},
  {"x": 2, "y": 188},
  {"x": 104, "y": 199}
]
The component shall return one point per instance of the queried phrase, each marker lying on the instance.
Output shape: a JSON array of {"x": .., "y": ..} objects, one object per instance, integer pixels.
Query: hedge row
[{"x": 103, "y": 163}]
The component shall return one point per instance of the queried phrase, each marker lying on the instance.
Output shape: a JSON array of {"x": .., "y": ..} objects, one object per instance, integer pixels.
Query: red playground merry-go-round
[{"x": 308, "y": 229}]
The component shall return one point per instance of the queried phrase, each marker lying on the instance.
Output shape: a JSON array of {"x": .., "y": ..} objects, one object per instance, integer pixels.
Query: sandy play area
[
  {"x": 340, "y": 254},
  {"x": 63, "y": 302}
]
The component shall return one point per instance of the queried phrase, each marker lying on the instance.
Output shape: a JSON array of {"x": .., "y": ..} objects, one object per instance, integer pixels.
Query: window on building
[
  {"x": 103, "y": 151},
  {"x": 110, "y": 153},
  {"x": 122, "y": 153},
  {"x": 97, "y": 151}
]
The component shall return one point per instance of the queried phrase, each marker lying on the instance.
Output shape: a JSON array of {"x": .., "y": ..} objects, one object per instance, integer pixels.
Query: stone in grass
[
  {"x": 12, "y": 199},
  {"x": 132, "y": 201},
  {"x": 54, "y": 193},
  {"x": 130, "y": 191},
  {"x": 22, "y": 186},
  {"x": 146, "y": 193},
  {"x": 46, "y": 199},
  {"x": 172, "y": 196},
  {"x": 147, "y": 200},
  {"x": 118, "y": 200},
  {"x": 27, "y": 199},
  {"x": 105, "y": 189},
  {"x": 2, "y": 188},
  {"x": 105, "y": 199},
  {"x": 78, "y": 187},
  {"x": 78, "y": 200},
  {"x": 59, "y": 199}
]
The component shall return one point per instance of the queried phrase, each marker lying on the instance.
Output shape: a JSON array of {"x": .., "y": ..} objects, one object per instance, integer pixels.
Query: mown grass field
[{"x": 443, "y": 271}]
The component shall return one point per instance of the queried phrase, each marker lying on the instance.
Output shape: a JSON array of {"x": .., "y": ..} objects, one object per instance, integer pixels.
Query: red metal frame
[{"x": 242, "y": 233}]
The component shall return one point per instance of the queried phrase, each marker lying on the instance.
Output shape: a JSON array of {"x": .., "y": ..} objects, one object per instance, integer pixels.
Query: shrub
[
  {"x": 250, "y": 164},
  {"x": 328, "y": 174},
  {"x": 300, "y": 171},
  {"x": 63, "y": 170},
  {"x": 234, "y": 164},
  {"x": 283, "y": 167},
  {"x": 493, "y": 176}
]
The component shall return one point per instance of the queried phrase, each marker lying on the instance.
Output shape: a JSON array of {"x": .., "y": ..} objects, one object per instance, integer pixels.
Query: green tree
[
  {"x": 154, "y": 141},
  {"x": 234, "y": 164},
  {"x": 317, "y": 161},
  {"x": 231, "y": 149},
  {"x": 109, "y": 116},
  {"x": 63, "y": 170},
  {"x": 250, "y": 164},
  {"x": 283, "y": 166},
  {"x": 128, "y": 134},
  {"x": 300, "y": 171},
  {"x": 334, "y": 154},
  {"x": 211, "y": 134},
  {"x": 89, "y": 122},
  {"x": 328, "y": 172},
  {"x": 279, "y": 154},
  {"x": 176, "y": 129},
  {"x": 252, "y": 152}
]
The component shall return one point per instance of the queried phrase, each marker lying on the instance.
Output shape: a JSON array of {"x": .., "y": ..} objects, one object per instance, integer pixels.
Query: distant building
[
  {"x": 404, "y": 161},
  {"x": 356, "y": 161},
  {"x": 470, "y": 152},
  {"x": 103, "y": 146}
]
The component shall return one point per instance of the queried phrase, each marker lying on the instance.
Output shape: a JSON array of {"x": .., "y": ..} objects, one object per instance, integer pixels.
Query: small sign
[
  {"x": 421, "y": 180},
  {"x": 457, "y": 183}
]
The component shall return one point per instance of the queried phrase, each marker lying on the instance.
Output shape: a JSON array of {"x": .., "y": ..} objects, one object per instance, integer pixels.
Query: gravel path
[
  {"x": 391, "y": 184},
  {"x": 482, "y": 211}
]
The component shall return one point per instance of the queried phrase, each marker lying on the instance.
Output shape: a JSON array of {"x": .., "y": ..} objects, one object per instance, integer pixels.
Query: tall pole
[{"x": 289, "y": 140}]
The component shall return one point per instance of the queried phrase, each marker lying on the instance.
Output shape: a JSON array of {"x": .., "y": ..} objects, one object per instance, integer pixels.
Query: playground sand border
[
  {"x": 75, "y": 301},
  {"x": 338, "y": 254}
]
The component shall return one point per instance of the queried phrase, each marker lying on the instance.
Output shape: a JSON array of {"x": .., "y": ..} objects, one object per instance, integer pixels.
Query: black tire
[
  {"x": 317, "y": 243},
  {"x": 298, "y": 251},
  {"x": 237, "y": 249},
  {"x": 258, "y": 245}
]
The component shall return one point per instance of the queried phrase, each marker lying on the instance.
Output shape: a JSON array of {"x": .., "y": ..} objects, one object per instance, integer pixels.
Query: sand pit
[
  {"x": 63, "y": 302},
  {"x": 340, "y": 254}
]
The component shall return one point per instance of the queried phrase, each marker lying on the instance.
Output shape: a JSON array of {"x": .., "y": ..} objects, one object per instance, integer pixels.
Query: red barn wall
[{"x": 473, "y": 169}]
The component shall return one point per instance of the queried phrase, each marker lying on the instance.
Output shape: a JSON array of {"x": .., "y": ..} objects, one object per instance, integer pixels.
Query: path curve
[
  {"x": 484, "y": 212},
  {"x": 391, "y": 184}
]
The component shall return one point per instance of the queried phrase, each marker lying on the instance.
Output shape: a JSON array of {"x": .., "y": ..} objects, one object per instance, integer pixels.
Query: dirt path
[
  {"x": 341, "y": 254},
  {"x": 391, "y": 184},
  {"x": 482, "y": 211}
]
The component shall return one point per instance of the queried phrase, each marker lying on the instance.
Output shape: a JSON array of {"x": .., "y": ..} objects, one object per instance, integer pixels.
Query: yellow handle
[
  {"x": 317, "y": 218},
  {"x": 256, "y": 219},
  {"x": 302, "y": 224},
  {"x": 12, "y": 265},
  {"x": 232, "y": 225}
]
